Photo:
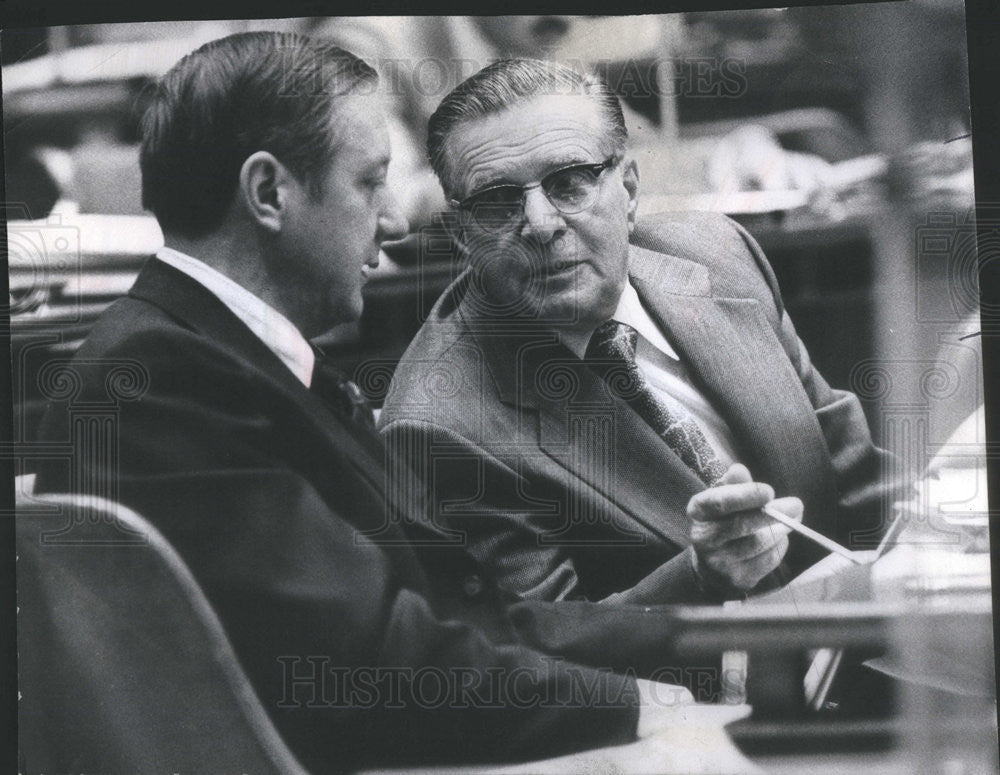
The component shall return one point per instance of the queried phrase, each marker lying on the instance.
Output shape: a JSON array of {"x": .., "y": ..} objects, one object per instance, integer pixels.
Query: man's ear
[
  {"x": 630, "y": 179},
  {"x": 264, "y": 189}
]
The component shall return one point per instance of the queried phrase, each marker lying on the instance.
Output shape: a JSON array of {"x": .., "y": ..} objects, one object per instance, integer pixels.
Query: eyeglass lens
[{"x": 570, "y": 190}]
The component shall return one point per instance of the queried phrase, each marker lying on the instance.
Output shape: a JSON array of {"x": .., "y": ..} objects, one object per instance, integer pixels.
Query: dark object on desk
[{"x": 933, "y": 682}]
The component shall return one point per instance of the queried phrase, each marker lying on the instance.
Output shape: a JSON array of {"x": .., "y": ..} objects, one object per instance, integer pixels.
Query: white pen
[{"x": 808, "y": 532}]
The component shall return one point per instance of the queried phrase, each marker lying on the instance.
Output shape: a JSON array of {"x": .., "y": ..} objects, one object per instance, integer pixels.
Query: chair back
[{"x": 123, "y": 664}]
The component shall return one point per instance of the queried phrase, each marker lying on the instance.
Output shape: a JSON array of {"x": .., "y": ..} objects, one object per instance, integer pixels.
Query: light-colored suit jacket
[{"x": 563, "y": 489}]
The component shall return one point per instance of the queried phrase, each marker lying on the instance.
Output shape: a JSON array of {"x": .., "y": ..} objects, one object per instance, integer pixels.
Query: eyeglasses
[{"x": 570, "y": 189}]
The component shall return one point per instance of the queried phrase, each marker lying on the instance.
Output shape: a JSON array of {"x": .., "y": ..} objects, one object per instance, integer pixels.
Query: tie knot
[
  {"x": 613, "y": 340},
  {"x": 333, "y": 386},
  {"x": 611, "y": 353}
]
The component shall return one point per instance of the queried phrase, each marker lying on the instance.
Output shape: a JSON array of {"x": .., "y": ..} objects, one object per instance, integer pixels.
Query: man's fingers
[
  {"x": 737, "y": 473},
  {"x": 717, "y": 533},
  {"x": 756, "y": 568},
  {"x": 746, "y": 573},
  {"x": 790, "y": 506},
  {"x": 752, "y": 547},
  {"x": 745, "y": 547},
  {"x": 725, "y": 500},
  {"x": 769, "y": 559},
  {"x": 732, "y": 535}
]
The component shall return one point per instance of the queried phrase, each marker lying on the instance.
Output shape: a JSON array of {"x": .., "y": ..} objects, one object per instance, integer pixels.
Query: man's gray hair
[{"x": 506, "y": 83}]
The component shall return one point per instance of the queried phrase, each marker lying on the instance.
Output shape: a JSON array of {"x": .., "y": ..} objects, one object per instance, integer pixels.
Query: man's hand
[{"x": 735, "y": 543}]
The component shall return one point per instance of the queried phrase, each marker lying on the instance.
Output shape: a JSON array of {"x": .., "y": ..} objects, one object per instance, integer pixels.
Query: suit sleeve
[
  {"x": 865, "y": 475},
  {"x": 503, "y": 520},
  {"x": 346, "y": 657}
]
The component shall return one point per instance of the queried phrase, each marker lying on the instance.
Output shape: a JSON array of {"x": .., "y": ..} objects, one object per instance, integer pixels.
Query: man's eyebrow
[
  {"x": 571, "y": 161},
  {"x": 503, "y": 179}
]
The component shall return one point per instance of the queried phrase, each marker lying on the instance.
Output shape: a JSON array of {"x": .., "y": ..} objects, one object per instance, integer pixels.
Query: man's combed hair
[
  {"x": 249, "y": 92},
  {"x": 506, "y": 83}
]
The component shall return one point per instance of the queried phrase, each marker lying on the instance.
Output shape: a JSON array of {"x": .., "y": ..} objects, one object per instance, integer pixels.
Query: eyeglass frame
[{"x": 596, "y": 168}]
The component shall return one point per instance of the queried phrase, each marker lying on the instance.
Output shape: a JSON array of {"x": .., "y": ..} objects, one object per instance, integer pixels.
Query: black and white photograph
[{"x": 474, "y": 394}]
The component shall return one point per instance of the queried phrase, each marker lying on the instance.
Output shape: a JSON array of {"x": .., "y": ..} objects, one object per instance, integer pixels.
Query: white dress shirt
[
  {"x": 270, "y": 326},
  {"x": 667, "y": 375}
]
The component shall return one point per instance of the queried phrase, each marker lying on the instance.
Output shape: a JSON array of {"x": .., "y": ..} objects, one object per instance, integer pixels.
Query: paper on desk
[
  {"x": 958, "y": 491},
  {"x": 832, "y": 579},
  {"x": 924, "y": 575},
  {"x": 907, "y": 571},
  {"x": 831, "y": 565},
  {"x": 957, "y": 662},
  {"x": 925, "y": 552},
  {"x": 914, "y": 571},
  {"x": 948, "y": 674},
  {"x": 696, "y": 743}
]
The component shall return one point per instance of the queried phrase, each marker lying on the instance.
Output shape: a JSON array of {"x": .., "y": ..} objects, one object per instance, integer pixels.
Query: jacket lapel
[
  {"x": 615, "y": 453},
  {"x": 734, "y": 355},
  {"x": 731, "y": 351},
  {"x": 197, "y": 308},
  {"x": 615, "y": 460}
]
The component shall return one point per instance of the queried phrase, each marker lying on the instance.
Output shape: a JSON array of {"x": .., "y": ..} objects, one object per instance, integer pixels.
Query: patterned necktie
[
  {"x": 340, "y": 393},
  {"x": 612, "y": 351}
]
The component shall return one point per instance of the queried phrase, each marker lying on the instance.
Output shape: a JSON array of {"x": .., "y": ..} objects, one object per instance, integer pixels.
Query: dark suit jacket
[
  {"x": 279, "y": 506},
  {"x": 563, "y": 489}
]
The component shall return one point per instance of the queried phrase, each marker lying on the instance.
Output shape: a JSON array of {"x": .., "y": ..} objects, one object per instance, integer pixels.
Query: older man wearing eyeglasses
[{"x": 601, "y": 408}]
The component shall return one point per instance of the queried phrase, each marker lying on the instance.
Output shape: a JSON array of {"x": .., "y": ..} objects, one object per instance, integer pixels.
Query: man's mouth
[
  {"x": 564, "y": 264},
  {"x": 370, "y": 266}
]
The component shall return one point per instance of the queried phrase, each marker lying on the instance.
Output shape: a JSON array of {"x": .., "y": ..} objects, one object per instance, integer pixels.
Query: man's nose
[
  {"x": 392, "y": 223},
  {"x": 541, "y": 219}
]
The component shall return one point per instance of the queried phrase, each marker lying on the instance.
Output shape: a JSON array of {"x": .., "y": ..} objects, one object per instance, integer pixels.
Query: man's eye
[
  {"x": 572, "y": 180},
  {"x": 500, "y": 195}
]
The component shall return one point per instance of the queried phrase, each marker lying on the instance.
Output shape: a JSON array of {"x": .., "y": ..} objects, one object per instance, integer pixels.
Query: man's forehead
[
  {"x": 360, "y": 124},
  {"x": 528, "y": 138}
]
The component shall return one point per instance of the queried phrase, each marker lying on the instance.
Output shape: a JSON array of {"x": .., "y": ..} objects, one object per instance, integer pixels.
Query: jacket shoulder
[
  {"x": 736, "y": 263},
  {"x": 160, "y": 357},
  {"x": 126, "y": 325},
  {"x": 442, "y": 369}
]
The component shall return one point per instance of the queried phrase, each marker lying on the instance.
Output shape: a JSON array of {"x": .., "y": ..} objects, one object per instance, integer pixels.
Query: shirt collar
[
  {"x": 270, "y": 326},
  {"x": 631, "y": 312}
]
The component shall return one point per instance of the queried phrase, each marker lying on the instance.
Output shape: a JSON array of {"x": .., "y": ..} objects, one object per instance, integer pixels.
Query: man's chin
[
  {"x": 561, "y": 311},
  {"x": 577, "y": 310},
  {"x": 335, "y": 325}
]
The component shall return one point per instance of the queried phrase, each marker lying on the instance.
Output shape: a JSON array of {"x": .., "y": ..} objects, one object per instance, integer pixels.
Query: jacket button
[{"x": 472, "y": 586}]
